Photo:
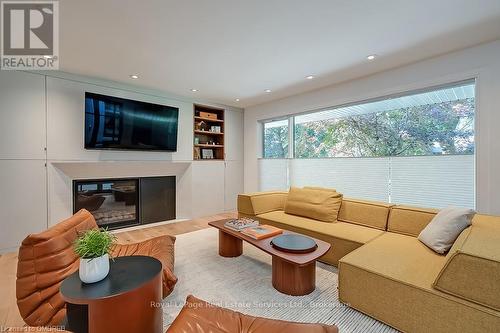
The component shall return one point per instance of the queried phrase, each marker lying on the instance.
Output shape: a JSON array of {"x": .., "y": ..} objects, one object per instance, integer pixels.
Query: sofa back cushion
[
  {"x": 322, "y": 205},
  {"x": 472, "y": 269},
  {"x": 45, "y": 260},
  {"x": 367, "y": 213},
  {"x": 408, "y": 220}
]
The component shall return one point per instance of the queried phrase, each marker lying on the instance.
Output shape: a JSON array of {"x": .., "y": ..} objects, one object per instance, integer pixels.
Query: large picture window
[{"x": 417, "y": 148}]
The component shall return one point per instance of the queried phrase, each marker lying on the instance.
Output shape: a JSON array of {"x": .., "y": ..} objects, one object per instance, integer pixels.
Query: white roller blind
[
  {"x": 364, "y": 178},
  {"x": 426, "y": 181},
  {"x": 273, "y": 174},
  {"x": 433, "y": 181}
]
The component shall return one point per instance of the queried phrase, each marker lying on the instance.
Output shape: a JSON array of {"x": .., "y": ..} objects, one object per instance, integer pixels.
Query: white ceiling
[{"x": 230, "y": 49}]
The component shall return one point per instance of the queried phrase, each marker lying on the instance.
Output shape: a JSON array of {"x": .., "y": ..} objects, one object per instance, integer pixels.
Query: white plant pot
[{"x": 95, "y": 269}]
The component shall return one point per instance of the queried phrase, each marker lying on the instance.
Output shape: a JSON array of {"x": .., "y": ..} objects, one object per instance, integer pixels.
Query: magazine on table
[
  {"x": 240, "y": 224},
  {"x": 261, "y": 232}
]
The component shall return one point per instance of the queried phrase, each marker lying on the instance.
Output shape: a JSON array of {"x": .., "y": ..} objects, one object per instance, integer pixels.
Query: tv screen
[{"x": 118, "y": 123}]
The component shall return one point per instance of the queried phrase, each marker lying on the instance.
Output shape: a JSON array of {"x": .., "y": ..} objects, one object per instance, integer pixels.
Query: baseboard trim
[{"x": 9, "y": 250}]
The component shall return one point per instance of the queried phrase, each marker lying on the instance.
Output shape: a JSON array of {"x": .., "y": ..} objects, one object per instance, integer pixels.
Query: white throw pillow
[{"x": 445, "y": 227}]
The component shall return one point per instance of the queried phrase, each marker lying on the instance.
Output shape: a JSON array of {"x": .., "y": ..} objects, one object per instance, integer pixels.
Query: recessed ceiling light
[
  {"x": 267, "y": 90},
  {"x": 237, "y": 100},
  {"x": 310, "y": 77},
  {"x": 194, "y": 90},
  {"x": 134, "y": 76},
  {"x": 371, "y": 57}
]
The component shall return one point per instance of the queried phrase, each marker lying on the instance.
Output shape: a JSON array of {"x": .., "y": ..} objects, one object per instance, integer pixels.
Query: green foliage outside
[
  {"x": 276, "y": 142},
  {"x": 443, "y": 128},
  {"x": 94, "y": 243}
]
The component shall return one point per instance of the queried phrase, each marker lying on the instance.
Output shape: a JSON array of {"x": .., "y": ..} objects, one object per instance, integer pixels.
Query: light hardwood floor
[{"x": 9, "y": 315}]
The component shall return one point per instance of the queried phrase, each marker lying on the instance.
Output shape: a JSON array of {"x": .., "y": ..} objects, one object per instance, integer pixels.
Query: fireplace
[{"x": 117, "y": 203}]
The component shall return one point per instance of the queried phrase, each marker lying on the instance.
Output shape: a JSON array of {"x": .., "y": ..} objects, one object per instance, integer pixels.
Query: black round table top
[
  {"x": 125, "y": 274},
  {"x": 294, "y": 243}
]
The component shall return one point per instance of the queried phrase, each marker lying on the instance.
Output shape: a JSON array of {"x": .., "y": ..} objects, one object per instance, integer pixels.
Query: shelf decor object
[{"x": 208, "y": 133}]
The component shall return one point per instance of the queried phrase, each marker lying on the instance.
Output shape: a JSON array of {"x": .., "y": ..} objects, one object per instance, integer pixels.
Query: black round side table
[{"x": 128, "y": 300}]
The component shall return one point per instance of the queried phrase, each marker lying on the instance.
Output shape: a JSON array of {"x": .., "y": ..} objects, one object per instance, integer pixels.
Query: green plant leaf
[{"x": 94, "y": 243}]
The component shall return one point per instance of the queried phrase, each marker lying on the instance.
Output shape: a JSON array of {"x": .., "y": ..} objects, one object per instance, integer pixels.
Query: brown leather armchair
[
  {"x": 198, "y": 316},
  {"x": 47, "y": 258}
]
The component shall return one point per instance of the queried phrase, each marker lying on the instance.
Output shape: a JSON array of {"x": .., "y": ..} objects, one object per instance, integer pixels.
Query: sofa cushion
[
  {"x": 400, "y": 257},
  {"x": 344, "y": 237},
  {"x": 472, "y": 269},
  {"x": 409, "y": 220},
  {"x": 198, "y": 316},
  {"x": 322, "y": 205},
  {"x": 346, "y": 231},
  {"x": 390, "y": 279},
  {"x": 440, "y": 234},
  {"x": 368, "y": 213}
]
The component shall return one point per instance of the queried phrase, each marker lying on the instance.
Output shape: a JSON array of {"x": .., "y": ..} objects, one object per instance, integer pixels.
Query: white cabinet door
[
  {"x": 22, "y": 115},
  {"x": 207, "y": 188},
  {"x": 23, "y": 207},
  {"x": 233, "y": 137},
  {"x": 233, "y": 184}
]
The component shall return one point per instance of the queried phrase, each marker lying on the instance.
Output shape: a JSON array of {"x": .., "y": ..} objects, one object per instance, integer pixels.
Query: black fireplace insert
[{"x": 118, "y": 203}]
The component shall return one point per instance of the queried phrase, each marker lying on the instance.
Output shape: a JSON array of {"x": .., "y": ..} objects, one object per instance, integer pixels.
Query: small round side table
[{"x": 128, "y": 300}]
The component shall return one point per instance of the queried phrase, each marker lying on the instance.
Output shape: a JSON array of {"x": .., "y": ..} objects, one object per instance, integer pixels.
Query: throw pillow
[
  {"x": 320, "y": 188},
  {"x": 322, "y": 205},
  {"x": 440, "y": 234}
]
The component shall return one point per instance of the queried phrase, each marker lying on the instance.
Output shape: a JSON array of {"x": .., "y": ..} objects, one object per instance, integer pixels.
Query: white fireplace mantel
[{"x": 120, "y": 169}]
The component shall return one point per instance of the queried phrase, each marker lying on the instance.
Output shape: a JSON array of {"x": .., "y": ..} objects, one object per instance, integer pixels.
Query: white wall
[
  {"x": 39, "y": 110},
  {"x": 481, "y": 62}
]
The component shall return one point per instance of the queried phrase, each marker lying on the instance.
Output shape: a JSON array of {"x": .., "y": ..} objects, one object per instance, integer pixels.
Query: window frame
[{"x": 291, "y": 117}]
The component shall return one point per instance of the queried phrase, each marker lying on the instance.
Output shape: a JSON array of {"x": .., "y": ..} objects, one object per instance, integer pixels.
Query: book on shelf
[
  {"x": 240, "y": 224},
  {"x": 262, "y": 231}
]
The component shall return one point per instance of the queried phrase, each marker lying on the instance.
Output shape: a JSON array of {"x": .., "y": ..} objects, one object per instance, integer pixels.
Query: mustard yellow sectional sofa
[{"x": 387, "y": 273}]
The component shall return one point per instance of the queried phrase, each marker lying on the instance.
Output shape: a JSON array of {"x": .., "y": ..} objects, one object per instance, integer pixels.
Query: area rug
[{"x": 244, "y": 284}]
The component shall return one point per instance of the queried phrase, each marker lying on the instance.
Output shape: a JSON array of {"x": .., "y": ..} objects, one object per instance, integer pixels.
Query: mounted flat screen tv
[{"x": 123, "y": 124}]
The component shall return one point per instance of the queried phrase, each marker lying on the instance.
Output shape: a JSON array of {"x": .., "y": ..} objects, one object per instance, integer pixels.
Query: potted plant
[{"x": 94, "y": 248}]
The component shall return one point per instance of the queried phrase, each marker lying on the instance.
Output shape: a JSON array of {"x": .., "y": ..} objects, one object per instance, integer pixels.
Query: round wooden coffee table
[{"x": 128, "y": 300}]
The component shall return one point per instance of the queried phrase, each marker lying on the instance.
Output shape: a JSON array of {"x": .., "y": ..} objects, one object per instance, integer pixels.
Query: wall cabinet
[
  {"x": 233, "y": 184},
  {"x": 207, "y": 187},
  {"x": 22, "y": 115},
  {"x": 23, "y": 208}
]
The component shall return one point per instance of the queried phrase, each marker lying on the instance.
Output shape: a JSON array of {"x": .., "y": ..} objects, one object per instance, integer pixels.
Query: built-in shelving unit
[{"x": 208, "y": 133}]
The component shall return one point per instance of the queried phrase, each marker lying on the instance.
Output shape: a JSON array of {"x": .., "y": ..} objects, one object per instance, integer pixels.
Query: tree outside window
[
  {"x": 437, "y": 129},
  {"x": 276, "y": 139}
]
